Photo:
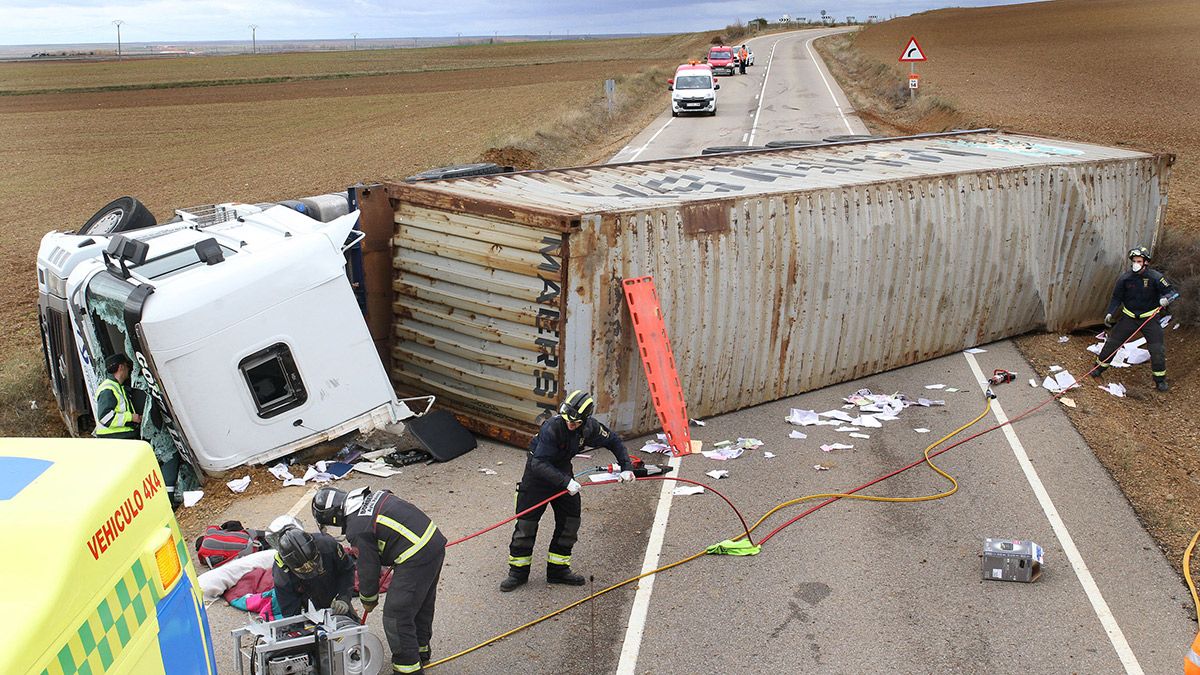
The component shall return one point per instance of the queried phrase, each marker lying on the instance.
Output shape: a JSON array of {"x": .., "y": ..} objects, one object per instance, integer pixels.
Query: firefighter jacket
[
  {"x": 389, "y": 531},
  {"x": 555, "y": 445},
  {"x": 1137, "y": 293},
  {"x": 336, "y": 579}
]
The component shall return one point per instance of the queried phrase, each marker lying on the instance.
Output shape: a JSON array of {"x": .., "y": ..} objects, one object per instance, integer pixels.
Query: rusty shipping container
[{"x": 779, "y": 271}]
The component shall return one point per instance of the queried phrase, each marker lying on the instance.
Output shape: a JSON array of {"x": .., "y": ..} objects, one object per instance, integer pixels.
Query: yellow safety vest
[{"x": 121, "y": 415}]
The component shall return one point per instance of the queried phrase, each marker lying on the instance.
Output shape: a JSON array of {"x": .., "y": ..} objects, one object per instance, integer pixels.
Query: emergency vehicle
[
  {"x": 247, "y": 338},
  {"x": 693, "y": 89},
  {"x": 97, "y": 574},
  {"x": 722, "y": 58}
]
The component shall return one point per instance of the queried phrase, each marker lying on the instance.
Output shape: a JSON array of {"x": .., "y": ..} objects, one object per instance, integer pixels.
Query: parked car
[
  {"x": 722, "y": 58},
  {"x": 693, "y": 89}
]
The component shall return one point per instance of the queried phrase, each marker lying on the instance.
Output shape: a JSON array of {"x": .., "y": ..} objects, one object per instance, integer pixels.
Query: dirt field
[
  {"x": 1113, "y": 72},
  {"x": 176, "y": 133}
]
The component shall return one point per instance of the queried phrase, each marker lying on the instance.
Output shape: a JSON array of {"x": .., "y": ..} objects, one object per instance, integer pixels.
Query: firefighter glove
[
  {"x": 625, "y": 477},
  {"x": 340, "y": 606},
  {"x": 574, "y": 487},
  {"x": 1108, "y": 320},
  {"x": 1164, "y": 301}
]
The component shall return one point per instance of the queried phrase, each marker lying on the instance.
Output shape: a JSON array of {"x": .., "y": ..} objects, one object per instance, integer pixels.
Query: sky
[{"x": 41, "y": 22}]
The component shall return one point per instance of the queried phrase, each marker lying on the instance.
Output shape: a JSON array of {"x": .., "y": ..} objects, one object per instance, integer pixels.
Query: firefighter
[
  {"x": 547, "y": 472},
  {"x": 116, "y": 416},
  {"x": 1138, "y": 295},
  {"x": 390, "y": 531},
  {"x": 311, "y": 568}
]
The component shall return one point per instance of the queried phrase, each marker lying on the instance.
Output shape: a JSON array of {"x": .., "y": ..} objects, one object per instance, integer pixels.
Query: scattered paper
[
  {"x": 859, "y": 436},
  {"x": 768, "y": 455},
  {"x": 1032, "y": 382},
  {"x": 975, "y": 350},
  {"x": 1095, "y": 349},
  {"x": 868, "y": 421},
  {"x": 377, "y": 468},
  {"x": 1055, "y": 369},
  {"x": 239, "y": 484},
  {"x": 1070, "y": 403},
  {"x": 1063, "y": 338},
  {"x": 652, "y": 446},
  {"x": 487, "y": 472},
  {"x": 935, "y": 386},
  {"x": 838, "y": 415},
  {"x": 830, "y": 447},
  {"x": 717, "y": 474},
  {"x": 1114, "y": 388},
  {"x": 728, "y": 452},
  {"x": 293, "y": 481},
  {"x": 281, "y": 472},
  {"x": 921, "y": 430},
  {"x": 818, "y": 467},
  {"x": 192, "y": 497},
  {"x": 1136, "y": 355},
  {"x": 687, "y": 490},
  {"x": 926, "y": 402},
  {"x": 951, "y": 389},
  {"x": 698, "y": 423},
  {"x": 797, "y": 434},
  {"x": 33, "y": 404},
  {"x": 803, "y": 417},
  {"x": 846, "y": 429},
  {"x": 1061, "y": 381}
]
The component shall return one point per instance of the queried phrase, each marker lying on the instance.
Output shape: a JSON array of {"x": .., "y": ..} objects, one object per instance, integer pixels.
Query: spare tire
[
  {"x": 120, "y": 215},
  {"x": 846, "y": 138},
  {"x": 797, "y": 143},
  {"x": 722, "y": 149},
  {"x": 459, "y": 171}
]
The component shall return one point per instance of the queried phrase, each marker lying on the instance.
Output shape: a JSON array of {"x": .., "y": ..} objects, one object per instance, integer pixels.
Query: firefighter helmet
[
  {"x": 577, "y": 407},
  {"x": 330, "y": 505},
  {"x": 1139, "y": 251},
  {"x": 299, "y": 553}
]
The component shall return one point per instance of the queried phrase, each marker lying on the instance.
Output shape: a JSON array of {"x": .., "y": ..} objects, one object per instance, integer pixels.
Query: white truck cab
[
  {"x": 693, "y": 89},
  {"x": 246, "y": 336}
]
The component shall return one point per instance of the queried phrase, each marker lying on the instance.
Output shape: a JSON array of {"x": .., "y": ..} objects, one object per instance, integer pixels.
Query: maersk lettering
[{"x": 549, "y": 324}]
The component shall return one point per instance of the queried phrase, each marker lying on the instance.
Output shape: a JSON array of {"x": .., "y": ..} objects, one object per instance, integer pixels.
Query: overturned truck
[{"x": 779, "y": 271}]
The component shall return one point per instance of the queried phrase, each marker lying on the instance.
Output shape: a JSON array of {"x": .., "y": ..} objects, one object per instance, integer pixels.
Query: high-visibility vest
[
  {"x": 1191, "y": 662},
  {"x": 121, "y": 415}
]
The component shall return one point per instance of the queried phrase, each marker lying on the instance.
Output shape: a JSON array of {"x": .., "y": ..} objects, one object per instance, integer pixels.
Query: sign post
[{"x": 911, "y": 54}]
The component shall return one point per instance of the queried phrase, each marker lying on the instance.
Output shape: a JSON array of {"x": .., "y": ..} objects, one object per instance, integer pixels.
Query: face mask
[{"x": 1136, "y": 267}]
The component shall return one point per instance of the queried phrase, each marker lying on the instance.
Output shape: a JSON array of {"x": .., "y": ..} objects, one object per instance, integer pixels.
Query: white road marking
[
  {"x": 304, "y": 501},
  {"x": 766, "y": 73},
  {"x": 634, "y": 156},
  {"x": 641, "y": 601},
  {"x": 1099, "y": 606},
  {"x": 820, "y": 71},
  {"x": 744, "y": 137}
]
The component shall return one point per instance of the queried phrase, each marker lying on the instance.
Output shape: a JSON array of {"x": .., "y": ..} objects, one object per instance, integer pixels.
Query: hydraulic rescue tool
[{"x": 640, "y": 468}]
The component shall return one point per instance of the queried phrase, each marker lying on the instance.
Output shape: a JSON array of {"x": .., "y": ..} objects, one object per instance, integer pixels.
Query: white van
[{"x": 693, "y": 89}]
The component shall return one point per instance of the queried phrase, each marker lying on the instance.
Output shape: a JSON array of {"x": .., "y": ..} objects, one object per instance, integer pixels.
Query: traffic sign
[
  {"x": 914, "y": 81},
  {"x": 912, "y": 52}
]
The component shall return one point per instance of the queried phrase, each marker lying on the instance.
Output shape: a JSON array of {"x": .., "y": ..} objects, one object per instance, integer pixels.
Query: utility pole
[
  {"x": 117, "y": 23},
  {"x": 254, "y": 38},
  {"x": 355, "y": 41}
]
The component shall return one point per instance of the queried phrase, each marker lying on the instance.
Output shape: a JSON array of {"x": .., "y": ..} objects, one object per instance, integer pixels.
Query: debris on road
[
  {"x": 239, "y": 484},
  {"x": 1061, "y": 382},
  {"x": 717, "y": 474},
  {"x": 921, "y": 430},
  {"x": 192, "y": 497},
  {"x": 1115, "y": 388},
  {"x": 687, "y": 490},
  {"x": 829, "y": 447},
  {"x": 818, "y": 467},
  {"x": 797, "y": 434}
]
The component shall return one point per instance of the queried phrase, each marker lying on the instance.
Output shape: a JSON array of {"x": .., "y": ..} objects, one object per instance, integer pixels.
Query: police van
[
  {"x": 693, "y": 89},
  {"x": 97, "y": 574}
]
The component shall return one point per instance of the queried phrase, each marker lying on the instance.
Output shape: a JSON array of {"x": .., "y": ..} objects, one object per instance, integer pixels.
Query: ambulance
[
  {"x": 96, "y": 572},
  {"x": 693, "y": 89}
]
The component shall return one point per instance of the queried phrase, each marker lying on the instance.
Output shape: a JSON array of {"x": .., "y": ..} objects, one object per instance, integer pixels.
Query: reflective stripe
[
  {"x": 411, "y": 668},
  {"x": 1193, "y": 657},
  {"x": 556, "y": 559},
  {"x": 423, "y": 650},
  {"x": 1159, "y": 373},
  {"x": 417, "y": 542},
  {"x": 121, "y": 412},
  {"x": 368, "y": 598},
  {"x": 1137, "y": 316},
  {"x": 520, "y": 560}
]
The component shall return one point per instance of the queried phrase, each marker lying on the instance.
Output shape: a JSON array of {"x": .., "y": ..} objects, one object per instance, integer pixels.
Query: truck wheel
[{"x": 123, "y": 214}]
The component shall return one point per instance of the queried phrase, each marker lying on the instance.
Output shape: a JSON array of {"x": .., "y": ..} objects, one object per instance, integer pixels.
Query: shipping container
[{"x": 779, "y": 271}]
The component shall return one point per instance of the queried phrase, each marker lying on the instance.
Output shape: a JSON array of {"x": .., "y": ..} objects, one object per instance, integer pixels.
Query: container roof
[{"x": 669, "y": 182}]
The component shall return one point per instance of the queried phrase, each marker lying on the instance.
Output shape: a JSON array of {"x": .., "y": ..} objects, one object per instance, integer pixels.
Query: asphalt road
[{"x": 856, "y": 586}]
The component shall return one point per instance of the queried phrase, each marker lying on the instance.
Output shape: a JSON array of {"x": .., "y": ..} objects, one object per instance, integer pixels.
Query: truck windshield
[{"x": 693, "y": 82}]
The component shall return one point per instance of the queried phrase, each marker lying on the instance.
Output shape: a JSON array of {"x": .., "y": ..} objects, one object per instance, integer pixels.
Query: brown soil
[{"x": 1103, "y": 71}]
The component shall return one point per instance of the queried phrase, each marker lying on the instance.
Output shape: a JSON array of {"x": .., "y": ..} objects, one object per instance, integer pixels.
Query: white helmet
[{"x": 277, "y": 526}]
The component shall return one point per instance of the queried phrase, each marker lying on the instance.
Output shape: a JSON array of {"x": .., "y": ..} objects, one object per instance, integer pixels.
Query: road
[{"x": 856, "y": 586}]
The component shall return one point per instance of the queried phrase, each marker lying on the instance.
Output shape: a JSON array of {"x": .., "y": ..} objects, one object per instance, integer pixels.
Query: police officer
[
  {"x": 390, "y": 531},
  {"x": 547, "y": 472},
  {"x": 1138, "y": 295},
  {"x": 311, "y": 568},
  {"x": 115, "y": 416}
]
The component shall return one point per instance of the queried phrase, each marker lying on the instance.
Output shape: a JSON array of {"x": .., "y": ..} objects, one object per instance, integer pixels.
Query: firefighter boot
[
  {"x": 1161, "y": 384},
  {"x": 562, "y": 574},
  {"x": 517, "y": 576}
]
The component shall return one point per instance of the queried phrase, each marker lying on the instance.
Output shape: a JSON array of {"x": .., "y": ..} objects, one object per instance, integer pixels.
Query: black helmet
[
  {"x": 116, "y": 361},
  {"x": 1139, "y": 251},
  {"x": 299, "y": 553},
  {"x": 330, "y": 506},
  {"x": 577, "y": 407}
]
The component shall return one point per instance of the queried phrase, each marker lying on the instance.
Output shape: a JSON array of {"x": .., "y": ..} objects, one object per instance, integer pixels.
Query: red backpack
[{"x": 221, "y": 543}]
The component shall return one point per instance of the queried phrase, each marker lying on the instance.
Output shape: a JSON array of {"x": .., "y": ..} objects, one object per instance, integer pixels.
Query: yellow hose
[{"x": 1187, "y": 572}]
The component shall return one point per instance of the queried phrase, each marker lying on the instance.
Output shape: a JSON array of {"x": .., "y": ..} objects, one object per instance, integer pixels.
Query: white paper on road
[
  {"x": 1063, "y": 338},
  {"x": 717, "y": 474},
  {"x": 1095, "y": 349},
  {"x": 377, "y": 468},
  {"x": 838, "y": 415},
  {"x": 829, "y": 447},
  {"x": 281, "y": 472},
  {"x": 859, "y": 436},
  {"x": 768, "y": 455},
  {"x": 192, "y": 497},
  {"x": 818, "y": 467},
  {"x": 803, "y": 417},
  {"x": 926, "y": 402},
  {"x": 1032, "y": 382},
  {"x": 1115, "y": 388},
  {"x": 935, "y": 386},
  {"x": 921, "y": 430},
  {"x": 1055, "y": 369},
  {"x": 869, "y": 421},
  {"x": 1136, "y": 355},
  {"x": 486, "y": 471},
  {"x": 239, "y": 484},
  {"x": 687, "y": 490},
  {"x": 293, "y": 481},
  {"x": 846, "y": 429},
  {"x": 1069, "y": 402},
  {"x": 1061, "y": 381},
  {"x": 797, "y": 434}
]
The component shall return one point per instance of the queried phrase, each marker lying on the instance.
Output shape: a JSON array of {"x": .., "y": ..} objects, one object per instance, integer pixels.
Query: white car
[{"x": 693, "y": 89}]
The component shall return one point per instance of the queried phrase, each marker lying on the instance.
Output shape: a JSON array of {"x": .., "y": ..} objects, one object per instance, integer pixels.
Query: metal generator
[{"x": 315, "y": 643}]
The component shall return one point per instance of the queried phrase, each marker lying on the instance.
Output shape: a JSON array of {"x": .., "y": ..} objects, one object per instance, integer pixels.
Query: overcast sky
[{"x": 90, "y": 21}]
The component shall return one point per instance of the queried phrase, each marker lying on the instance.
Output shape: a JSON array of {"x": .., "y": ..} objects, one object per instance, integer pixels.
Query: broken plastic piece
[{"x": 730, "y": 547}]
